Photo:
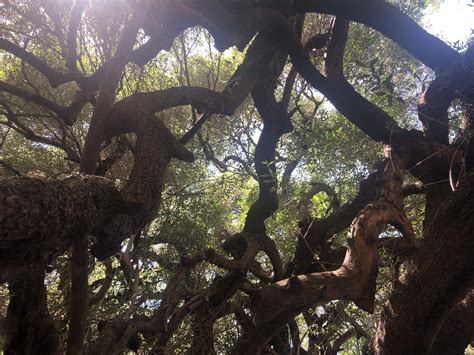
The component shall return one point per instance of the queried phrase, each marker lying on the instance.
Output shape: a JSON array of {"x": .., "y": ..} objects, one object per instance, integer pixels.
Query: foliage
[{"x": 210, "y": 199}]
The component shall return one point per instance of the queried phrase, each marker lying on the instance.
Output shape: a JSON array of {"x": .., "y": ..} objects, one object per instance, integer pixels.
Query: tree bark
[
  {"x": 444, "y": 269},
  {"x": 457, "y": 331},
  {"x": 30, "y": 327},
  {"x": 41, "y": 218}
]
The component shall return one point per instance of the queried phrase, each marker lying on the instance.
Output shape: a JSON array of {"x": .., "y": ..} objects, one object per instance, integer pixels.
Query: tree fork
[{"x": 354, "y": 280}]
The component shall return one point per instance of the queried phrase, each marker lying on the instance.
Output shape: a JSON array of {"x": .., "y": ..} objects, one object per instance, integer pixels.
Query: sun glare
[{"x": 452, "y": 21}]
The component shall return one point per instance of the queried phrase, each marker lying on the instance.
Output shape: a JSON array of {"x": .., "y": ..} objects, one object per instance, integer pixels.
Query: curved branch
[
  {"x": 375, "y": 122},
  {"x": 135, "y": 114},
  {"x": 316, "y": 233},
  {"x": 105, "y": 99},
  {"x": 54, "y": 76},
  {"x": 276, "y": 123},
  {"x": 354, "y": 280},
  {"x": 67, "y": 114},
  {"x": 316, "y": 187},
  {"x": 389, "y": 21},
  {"x": 204, "y": 100}
]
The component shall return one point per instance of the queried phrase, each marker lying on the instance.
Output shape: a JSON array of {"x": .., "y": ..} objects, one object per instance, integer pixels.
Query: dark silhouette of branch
[
  {"x": 355, "y": 280},
  {"x": 74, "y": 23},
  {"x": 389, "y": 21},
  {"x": 195, "y": 128},
  {"x": 334, "y": 60},
  {"x": 54, "y": 76},
  {"x": 276, "y": 123},
  {"x": 67, "y": 114}
]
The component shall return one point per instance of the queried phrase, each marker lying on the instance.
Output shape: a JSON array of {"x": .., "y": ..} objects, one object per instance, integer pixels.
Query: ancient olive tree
[{"x": 107, "y": 86}]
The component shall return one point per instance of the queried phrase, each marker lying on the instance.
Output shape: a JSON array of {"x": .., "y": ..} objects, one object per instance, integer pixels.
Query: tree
[{"x": 132, "y": 213}]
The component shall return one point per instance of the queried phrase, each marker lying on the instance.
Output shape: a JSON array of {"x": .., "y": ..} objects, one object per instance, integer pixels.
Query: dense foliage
[{"x": 171, "y": 283}]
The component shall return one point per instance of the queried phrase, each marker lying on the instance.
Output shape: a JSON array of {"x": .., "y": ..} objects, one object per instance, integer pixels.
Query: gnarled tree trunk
[
  {"x": 30, "y": 327},
  {"x": 444, "y": 270}
]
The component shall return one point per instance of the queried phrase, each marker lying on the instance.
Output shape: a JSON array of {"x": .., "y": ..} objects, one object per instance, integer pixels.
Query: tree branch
[
  {"x": 67, "y": 114},
  {"x": 74, "y": 23},
  {"x": 95, "y": 135},
  {"x": 276, "y": 123},
  {"x": 54, "y": 76},
  {"x": 441, "y": 273},
  {"x": 334, "y": 60},
  {"x": 354, "y": 280},
  {"x": 106, "y": 96},
  {"x": 391, "y": 22},
  {"x": 316, "y": 187}
]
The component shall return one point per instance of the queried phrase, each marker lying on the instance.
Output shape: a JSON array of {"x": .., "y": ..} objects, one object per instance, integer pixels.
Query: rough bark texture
[
  {"x": 444, "y": 268},
  {"x": 353, "y": 280},
  {"x": 30, "y": 327},
  {"x": 40, "y": 218},
  {"x": 430, "y": 309},
  {"x": 457, "y": 330}
]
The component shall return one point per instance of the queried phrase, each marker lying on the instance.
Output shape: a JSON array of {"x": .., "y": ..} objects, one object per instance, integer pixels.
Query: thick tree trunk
[
  {"x": 444, "y": 270},
  {"x": 458, "y": 329},
  {"x": 30, "y": 327}
]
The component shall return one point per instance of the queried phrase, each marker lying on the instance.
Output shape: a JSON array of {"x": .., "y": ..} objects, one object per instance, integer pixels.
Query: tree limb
[
  {"x": 389, "y": 21},
  {"x": 74, "y": 23}
]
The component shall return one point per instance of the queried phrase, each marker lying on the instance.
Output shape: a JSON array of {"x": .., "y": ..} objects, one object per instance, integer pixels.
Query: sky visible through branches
[
  {"x": 288, "y": 205},
  {"x": 452, "y": 21}
]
